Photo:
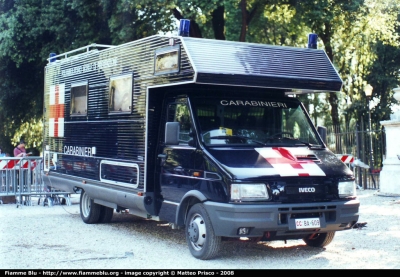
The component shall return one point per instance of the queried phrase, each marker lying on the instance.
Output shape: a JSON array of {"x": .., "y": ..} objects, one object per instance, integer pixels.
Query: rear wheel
[
  {"x": 106, "y": 214},
  {"x": 319, "y": 240},
  {"x": 90, "y": 211},
  {"x": 200, "y": 236}
]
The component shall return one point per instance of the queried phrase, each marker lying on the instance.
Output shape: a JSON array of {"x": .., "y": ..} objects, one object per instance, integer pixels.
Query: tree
[{"x": 350, "y": 38}]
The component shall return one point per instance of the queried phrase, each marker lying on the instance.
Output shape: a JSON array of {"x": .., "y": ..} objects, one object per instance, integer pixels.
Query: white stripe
[
  {"x": 61, "y": 127},
  {"x": 288, "y": 170},
  {"x": 52, "y": 99},
  {"x": 22, "y": 163},
  {"x": 61, "y": 91},
  {"x": 239, "y": 172},
  {"x": 61, "y": 94},
  {"x": 3, "y": 164},
  {"x": 51, "y": 127},
  {"x": 268, "y": 153},
  {"x": 271, "y": 153}
]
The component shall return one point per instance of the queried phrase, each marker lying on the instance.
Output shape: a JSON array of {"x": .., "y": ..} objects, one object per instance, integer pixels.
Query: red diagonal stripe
[{"x": 11, "y": 164}]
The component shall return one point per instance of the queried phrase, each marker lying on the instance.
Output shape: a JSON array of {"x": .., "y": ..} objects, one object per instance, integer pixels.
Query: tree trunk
[
  {"x": 333, "y": 97},
  {"x": 218, "y": 23},
  {"x": 243, "y": 30}
]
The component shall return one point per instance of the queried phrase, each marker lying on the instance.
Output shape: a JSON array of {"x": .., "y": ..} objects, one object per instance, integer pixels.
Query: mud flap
[{"x": 153, "y": 202}]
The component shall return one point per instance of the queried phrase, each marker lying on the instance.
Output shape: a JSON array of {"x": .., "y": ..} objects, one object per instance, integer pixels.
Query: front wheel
[
  {"x": 320, "y": 239},
  {"x": 90, "y": 211},
  {"x": 200, "y": 236}
]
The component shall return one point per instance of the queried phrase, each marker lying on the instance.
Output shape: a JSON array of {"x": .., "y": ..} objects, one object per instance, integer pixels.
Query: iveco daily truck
[{"x": 207, "y": 135}]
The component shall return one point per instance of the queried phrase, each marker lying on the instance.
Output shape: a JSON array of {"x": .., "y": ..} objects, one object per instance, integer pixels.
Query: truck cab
[{"x": 256, "y": 166}]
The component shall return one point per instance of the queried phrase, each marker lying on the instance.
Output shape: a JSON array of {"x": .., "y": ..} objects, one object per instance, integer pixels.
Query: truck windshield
[{"x": 224, "y": 121}]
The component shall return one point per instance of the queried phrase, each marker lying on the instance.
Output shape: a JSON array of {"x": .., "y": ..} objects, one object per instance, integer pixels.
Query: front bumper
[{"x": 279, "y": 219}]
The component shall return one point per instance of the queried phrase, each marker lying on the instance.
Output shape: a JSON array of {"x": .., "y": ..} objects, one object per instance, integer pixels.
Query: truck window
[
  {"x": 179, "y": 112},
  {"x": 254, "y": 122},
  {"x": 120, "y": 94},
  {"x": 79, "y": 95}
]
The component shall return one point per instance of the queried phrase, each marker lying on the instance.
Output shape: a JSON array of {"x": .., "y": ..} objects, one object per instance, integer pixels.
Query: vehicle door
[{"x": 177, "y": 155}]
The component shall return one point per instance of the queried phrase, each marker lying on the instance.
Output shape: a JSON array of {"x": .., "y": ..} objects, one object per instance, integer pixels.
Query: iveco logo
[{"x": 306, "y": 190}]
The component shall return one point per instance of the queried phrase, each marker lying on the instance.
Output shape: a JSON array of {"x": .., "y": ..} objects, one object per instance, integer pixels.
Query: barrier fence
[
  {"x": 22, "y": 178},
  {"x": 368, "y": 147}
]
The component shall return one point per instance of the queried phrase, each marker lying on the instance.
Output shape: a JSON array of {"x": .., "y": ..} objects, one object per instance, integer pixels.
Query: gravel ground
[{"x": 42, "y": 237}]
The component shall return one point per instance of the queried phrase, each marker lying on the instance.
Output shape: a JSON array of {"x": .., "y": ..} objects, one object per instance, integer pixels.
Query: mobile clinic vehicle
[{"x": 199, "y": 133}]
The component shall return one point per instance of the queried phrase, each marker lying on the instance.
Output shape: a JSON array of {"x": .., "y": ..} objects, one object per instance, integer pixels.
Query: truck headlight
[
  {"x": 249, "y": 192},
  {"x": 347, "y": 189}
]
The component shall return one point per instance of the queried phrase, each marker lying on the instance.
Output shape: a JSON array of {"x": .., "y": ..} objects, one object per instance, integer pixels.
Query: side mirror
[{"x": 172, "y": 133}]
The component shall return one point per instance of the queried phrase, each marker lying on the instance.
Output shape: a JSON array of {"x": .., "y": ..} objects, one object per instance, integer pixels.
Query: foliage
[
  {"x": 278, "y": 24},
  {"x": 360, "y": 47}
]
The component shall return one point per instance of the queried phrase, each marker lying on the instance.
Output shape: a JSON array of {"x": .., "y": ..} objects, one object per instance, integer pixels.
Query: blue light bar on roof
[
  {"x": 53, "y": 59},
  {"x": 312, "y": 41},
  {"x": 184, "y": 25}
]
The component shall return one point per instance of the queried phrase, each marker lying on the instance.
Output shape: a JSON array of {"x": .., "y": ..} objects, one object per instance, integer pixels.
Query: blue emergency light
[
  {"x": 52, "y": 55},
  {"x": 184, "y": 25},
  {"x": 312, "y": 41}
]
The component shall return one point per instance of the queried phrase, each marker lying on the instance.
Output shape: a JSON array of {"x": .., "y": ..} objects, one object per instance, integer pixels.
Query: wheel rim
[
  {"x": 197, "y": 232},
  {"x": 85, "y": 204}
]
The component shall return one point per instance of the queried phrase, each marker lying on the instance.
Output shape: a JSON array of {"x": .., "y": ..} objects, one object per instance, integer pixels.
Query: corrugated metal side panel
[
  {"x": 119, "y": 136},
  {"x": 250, "y": 64}
]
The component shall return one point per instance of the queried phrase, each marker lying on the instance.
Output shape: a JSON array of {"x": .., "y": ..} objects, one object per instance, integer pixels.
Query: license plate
[{"x": 305, "y": 223}]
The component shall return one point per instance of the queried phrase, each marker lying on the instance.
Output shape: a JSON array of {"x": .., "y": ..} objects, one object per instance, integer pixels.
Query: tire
[
  {"x": 319, "y": 240},
  {"x": 90, "y": 211},
  {"x": 200, "y": 236},
  {"x": 106, "y": 214},
  {"x": 63, "y": 201}
]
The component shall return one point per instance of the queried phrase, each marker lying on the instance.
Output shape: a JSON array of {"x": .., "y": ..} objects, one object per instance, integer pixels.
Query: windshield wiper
[
  {"x": 301, "y": 143},
  {"x": 315, "y": 146},
  {"x": 310, "y": 145}
]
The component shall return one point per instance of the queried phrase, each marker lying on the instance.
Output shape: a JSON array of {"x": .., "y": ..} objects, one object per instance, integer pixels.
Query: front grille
[
  {"x": 328, "y": 212},
  {"x": 315, "y": 189},
  {"x": 304, "y": 190},
  {"x": 329, "y": 216}
]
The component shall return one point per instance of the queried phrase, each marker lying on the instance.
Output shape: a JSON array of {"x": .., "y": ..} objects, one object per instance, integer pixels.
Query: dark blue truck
[{"x": 207, "y": 135}]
